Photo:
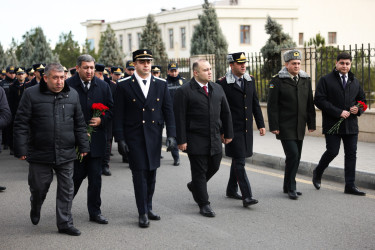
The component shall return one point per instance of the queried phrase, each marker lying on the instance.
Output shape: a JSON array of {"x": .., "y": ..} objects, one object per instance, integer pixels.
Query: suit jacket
[
  {"x": 99, "y": 92},
  {"x": 140, "y": 120},
  {"x": 244, "y": 104},
  {"x": 199, "y": 118}
]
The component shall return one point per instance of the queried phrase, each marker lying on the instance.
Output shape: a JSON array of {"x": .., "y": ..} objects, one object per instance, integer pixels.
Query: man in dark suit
[
  {"x": 92, "y": 90},
  {"x": 201, "y": 110},
  {"x": 241, "y": 94},
  {"x": 142, "y": 105},
  {"x": 290, "y": 109},
  {"x": 337, "y": 95}
]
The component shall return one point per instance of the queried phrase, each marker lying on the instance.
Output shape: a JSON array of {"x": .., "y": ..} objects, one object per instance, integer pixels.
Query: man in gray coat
[{"x": 49, "y": 124}]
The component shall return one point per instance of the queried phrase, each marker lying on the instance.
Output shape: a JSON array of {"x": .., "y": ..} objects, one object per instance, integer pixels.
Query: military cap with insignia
[
  {"x": 155, "y": 68},
  {"x": 105, "y": 72},
  {"x": 10, "y": 69},
  {"x": 20, "y": 70},
  {"x": 39, "y": 67},
  {"x": 117, "y": 70},
  {"x": 30, "y": 71},
  {"x": 238, "y": 57},
  {"x": 142, "y": 54},
  {"x": 72, "y": 71},
  {"x": 3, "y": 72},
  {"x": 99, "y": 67},
  {"x": 130, "y": 65},
  {"x": 172, "y": 65},
  {"x": 292, "y": 55},
  {"x": 65, "y": 69}
]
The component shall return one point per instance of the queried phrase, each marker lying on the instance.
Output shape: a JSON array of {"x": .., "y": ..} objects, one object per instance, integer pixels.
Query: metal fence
[{"x": 316, "y": 61}]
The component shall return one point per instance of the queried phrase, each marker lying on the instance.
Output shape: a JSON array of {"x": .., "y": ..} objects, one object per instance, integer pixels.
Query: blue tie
[
  {"x": 343, "y": 81},
  {"x": 144, "y": 81}
]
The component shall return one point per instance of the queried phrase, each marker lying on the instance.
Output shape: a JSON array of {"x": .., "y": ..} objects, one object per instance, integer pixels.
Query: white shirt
[
  {"x": 200, "y": 84},
  {"x": 83, "y": 84},
  {"x": 144, "y": 87},
  {"x": 346, "y": 77}
]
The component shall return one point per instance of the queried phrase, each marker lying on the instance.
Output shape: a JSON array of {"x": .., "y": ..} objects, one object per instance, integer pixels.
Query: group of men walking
[{"x": 50, "y": 127}]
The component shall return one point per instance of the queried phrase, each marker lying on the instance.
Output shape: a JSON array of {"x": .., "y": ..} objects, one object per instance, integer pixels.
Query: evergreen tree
[
  {"x": 317, "y": 41},
  {"x": 67, "y": 49},
  {"x": 42, "y": 51},
  {"x": 26, "y": 53},
  {"x": 151, "y": 39},
  {"x": 207, "y": 36},
  {"x": 271, "y": 51},
  {"x": 10, "y": 54},
  {"x": 110, "y": 53},
  {"x": 3, "y": 61}
]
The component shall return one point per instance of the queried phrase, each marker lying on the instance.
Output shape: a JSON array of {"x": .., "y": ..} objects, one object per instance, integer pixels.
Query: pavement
[{"x": 269, "y": 152}]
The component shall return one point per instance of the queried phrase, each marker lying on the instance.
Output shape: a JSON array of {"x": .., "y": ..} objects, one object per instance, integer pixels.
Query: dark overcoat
[
  {"x": 290, "y": 105},
  {"x": 244, "y": 104},
  {"x": 99, "y": 92},
  {"x": 199, "y": 118},
  {"x": 140, "y": 120},
  {"x": 332, "y": 99},
  {"x": 5, "y": 114}
]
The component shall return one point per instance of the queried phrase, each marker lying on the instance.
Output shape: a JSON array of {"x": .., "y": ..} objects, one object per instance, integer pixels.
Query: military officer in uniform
[
  {"x": 5, "y": 84},
  {"x": 239, "y": 88},
  {"x": 116, "y": 73},
  {"x": 129, "y": 69},
  {"x": 30, "y": 74},
  {"x": 38, "y": 71},
  {"x": 156, "y": 70},
  {"x": 143, "y": 105},
  {"x": 290, "y": 108},
  {"x": 174, "y": 81},
  {"x": 2, "y": 75}
]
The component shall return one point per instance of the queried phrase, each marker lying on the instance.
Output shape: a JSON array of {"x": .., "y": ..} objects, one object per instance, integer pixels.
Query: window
[
  {"x": 300, "y": 38},
  {"x": 120, "y": 40},
  {"x": 245, "y": 34},
  {"x": 332, "y": 38},
  {"x": 139, "y": 39},
  {"x": 130, "y": 41},
  {"x": 233, "y": 2},
  {"x": 91, "y": 43},
  {"x": 170, "y": 31},
  {"x": 183, "y": 38}
]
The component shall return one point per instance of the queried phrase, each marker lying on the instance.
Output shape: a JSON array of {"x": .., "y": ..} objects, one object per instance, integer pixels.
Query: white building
[{"x": 242, "y": 22}]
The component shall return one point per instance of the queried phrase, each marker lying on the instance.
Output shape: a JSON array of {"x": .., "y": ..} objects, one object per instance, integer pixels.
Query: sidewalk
[{"x": 269, "y": 152}]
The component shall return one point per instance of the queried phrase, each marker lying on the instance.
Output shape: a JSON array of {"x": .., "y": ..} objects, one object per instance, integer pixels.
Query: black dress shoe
[
  {"x": 293, "y": 195},
  {"x": 354, "y": 190},
  {"x": 153, "y": 216},
  {"x": 34, "y": 212},
  {"x": 100, "y": 219},
  {"x": 2, "y": 188},
  {"x": 176, "y": 162},
  {"x": 316, "y": 180},
  {"x": 143, "y": 221},
  {"x": 70, "y": 231},
  {"x": 249, "y": 201},
  {"x": 207, "y": 211},
  {"x": 106, "y": 171},
  {"x": 297, "y": 192},
  {"x": 234, "y": 196}
]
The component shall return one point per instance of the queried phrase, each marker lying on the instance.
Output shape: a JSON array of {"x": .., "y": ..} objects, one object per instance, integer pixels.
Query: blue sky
[{"x": 56, "y": 17}]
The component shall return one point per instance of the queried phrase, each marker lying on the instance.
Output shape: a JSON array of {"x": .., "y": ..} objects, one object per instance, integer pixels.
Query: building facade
[{"x": 242, "y": 22}]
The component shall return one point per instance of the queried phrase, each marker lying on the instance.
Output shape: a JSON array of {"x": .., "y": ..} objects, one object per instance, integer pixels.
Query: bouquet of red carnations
[{"x": 335, "y": 128}]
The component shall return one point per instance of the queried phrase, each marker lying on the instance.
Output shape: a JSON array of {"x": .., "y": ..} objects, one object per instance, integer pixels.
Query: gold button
[
  {"x": 144, "y": 121},
  {"x": 157, "y": 99},
  {"x": 244, "y": 96},
  {"x": 153, "y": 109},
  {"x": 245, "y": 107},
  {"x": 133, "y": 100},
  {"x": 153, "y": 121},
  {"x": 246, "y": 130},
  {"x": 143, "y": 110},
  {"x": 246, "y": 119}
]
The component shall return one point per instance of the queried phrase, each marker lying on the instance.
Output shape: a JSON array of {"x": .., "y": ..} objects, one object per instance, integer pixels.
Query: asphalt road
[{"x": 324, "y": 219}]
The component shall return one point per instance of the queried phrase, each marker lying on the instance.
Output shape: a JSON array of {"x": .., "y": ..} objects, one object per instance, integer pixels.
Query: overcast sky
[{"x": 55, "y": 17}]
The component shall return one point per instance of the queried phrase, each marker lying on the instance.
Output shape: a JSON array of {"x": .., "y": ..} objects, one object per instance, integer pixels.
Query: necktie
[
  {"x": 295, "y": 79},
  {"x": 205, "y": 90},
  {"x": 343, "y": 81},
  {"x": 86, "y": 86},
  {"x": 242, "y": 84},
  {"x": 144, "y": 81}
]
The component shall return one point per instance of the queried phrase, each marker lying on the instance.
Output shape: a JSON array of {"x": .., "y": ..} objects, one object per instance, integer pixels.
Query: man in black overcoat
[
  {"x": 201, "y": 110},
  {"x": 142, "y": 105},
  {"x": 239, "y": 88},
  {"x": 337, "y": 94},
  {"x": 92, "y": 90}
]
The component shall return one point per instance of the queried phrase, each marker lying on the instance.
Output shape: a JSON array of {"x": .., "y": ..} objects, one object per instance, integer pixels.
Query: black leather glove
[
  {"x": 123, "y": 148},
  {"x": 171, "y": 143}
]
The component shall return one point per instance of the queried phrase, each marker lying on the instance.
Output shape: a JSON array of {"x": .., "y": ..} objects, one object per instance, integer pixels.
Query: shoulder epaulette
[
  {"x": 124, "y": 79},
  {"x": 275, "y": 75}
]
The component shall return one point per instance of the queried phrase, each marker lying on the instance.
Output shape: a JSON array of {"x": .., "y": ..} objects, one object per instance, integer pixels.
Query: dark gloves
[
  {"x": 171, "y": 143},
  {"x": 123, "y": 148}
]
